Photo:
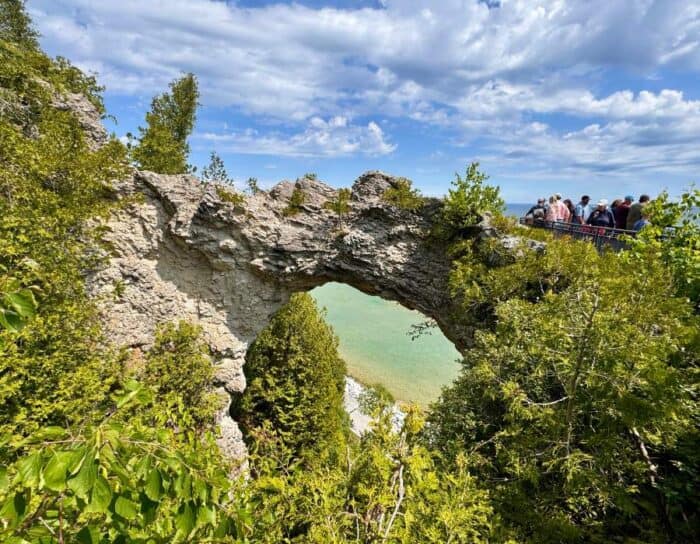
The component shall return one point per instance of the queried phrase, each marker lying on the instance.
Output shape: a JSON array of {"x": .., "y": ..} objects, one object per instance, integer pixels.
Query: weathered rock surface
[{"x": 181, "y": 252}]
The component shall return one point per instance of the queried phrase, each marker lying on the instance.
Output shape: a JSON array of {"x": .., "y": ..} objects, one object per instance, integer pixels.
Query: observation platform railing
[{"x": 601, "y": 237}]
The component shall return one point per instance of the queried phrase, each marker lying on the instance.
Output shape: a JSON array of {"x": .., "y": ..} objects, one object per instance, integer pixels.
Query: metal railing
[{"x": 601, "y": 237}]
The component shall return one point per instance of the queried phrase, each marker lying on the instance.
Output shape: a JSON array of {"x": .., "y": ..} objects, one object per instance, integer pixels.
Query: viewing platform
[{"x": 602, "y": 237}]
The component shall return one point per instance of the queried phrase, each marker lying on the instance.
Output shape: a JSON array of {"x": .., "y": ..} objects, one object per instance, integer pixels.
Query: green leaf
[
  {"x": 185, "y": 520},
  {"x": 154, "y": 485},
  {"x": 30, "y": 470},
  {"x": 10, "y": 320},
  {"x": 88, "y": 535},
  {"x": 23, "y": 302},
  {"x": 125, "y": 508},
  {"x": 101, "y": 496},
  {"x": 14, "y": 509},
  {"x": 56, "y": 471},
  {"x": 206, "y": 515},
  {"x": 4, "y": 482},
  {"x": 83, "y": 482}
]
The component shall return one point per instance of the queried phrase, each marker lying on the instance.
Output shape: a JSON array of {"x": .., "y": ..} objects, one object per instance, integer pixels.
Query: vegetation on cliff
[{"x": 575, "y": 418}]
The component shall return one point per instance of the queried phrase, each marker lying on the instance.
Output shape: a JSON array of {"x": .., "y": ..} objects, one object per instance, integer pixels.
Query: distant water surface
[
  {"x": 377, "y": 349},
  {"x": 374, "y": 341}
]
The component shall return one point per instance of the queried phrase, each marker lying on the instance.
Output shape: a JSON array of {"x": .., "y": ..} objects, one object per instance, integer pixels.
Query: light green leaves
[
  {"x": 126, "y": 508},
  {"x": 154, "y": 485}
]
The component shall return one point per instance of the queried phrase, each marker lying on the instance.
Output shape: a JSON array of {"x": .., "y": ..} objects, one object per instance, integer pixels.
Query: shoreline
[{"x": 360, "y": 423}]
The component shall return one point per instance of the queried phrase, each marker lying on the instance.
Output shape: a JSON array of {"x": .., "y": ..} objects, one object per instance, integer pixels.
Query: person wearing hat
[
  {"x": 635, "y": 213},
  {"x": 622, "y": 211},
  {"x": 602, "y": 216}
]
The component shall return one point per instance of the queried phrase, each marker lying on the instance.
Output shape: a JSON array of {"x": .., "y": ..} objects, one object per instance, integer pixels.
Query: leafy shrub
[
  {"x": 231, "y": 197},
  {"x": 162, "y": 146},
  {"x": 402, "y": 195},
  {"x": 466, "y": 203},
  {"x": 340, "y": 205},
  {"x": 180, "y": 372},
  {"x": 295, "y": 202},
  {"x": 296, "y": 380},
  {"x": 123, "y": 479}
]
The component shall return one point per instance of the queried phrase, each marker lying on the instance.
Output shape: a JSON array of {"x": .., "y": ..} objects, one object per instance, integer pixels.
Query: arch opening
[{"x": 378, "y": 346}]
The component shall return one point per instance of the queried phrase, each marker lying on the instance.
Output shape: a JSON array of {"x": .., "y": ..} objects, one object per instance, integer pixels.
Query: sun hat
[
  {"x": 558, "y": 195},
  {"x": 602, "y": 202}
]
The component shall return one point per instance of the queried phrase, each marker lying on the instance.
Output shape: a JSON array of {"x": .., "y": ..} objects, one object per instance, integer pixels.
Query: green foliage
[
  {"x": 375, "y": 399},
  {"x": 125, "y": 479},
  {"x": 295, "y": 202},
  {"x": 466, "y": 203},
  {"x": 253, "y": 187},
  {"x": 588, "y": 367},
  {"x": 17, "y": 302},
  {"x": 162, "y": 146},
  {"x": 215, "y": 171},
  {"x": 55, "y": 370},
  {"x": 296, "y": 380},
  {"x": 15, "y": 24},
  {"x": 231, "y": 197},
  {"x": 340, "y": 205},
  {"x": 402, "y": 195},
  {"x": 310, "y": 175},
  {"x": 180, "y": 372},
  {"x": 388, "y": 489},
  {"x": 674, "y": 238}
]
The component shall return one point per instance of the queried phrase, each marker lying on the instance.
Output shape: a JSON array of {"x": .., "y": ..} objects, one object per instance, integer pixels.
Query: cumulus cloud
[
  {"x": 479, "y": 69},
  {"x": 334, "y": 137}
]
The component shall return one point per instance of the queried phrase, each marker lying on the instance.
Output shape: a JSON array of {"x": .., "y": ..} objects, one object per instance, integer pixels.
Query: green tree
[
  {"x": 215, "y": 171},
  {"x": 295, "y": 202},
  {"x": 673, "y": 237},
  {"x": 340, "y": 205},
  {"x": 162, "y": 146},
  {"x": 15, "y": 24},
  {"x": 253, "y": 186},
  {"x": 387, "y": 489},
  {"x": 178, "y": 368},
  {"x": 466, "y": 203},
  {"x": 296, "y": 380},
  {"x": 402, "y": 195},
  {"x": 569, "y": 402}
]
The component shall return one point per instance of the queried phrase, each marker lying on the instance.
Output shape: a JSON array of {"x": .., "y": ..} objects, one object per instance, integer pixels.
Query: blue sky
[{"x": 570, "y": 96}]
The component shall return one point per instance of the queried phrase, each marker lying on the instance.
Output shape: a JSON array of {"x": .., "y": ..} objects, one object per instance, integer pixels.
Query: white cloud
[
  {"x": 480, "y": 72},
  {"x": 334, "y": 137}
]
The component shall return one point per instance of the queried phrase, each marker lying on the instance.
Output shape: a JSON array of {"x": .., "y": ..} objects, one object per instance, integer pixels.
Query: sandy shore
[{"x": 359, "y": 422}]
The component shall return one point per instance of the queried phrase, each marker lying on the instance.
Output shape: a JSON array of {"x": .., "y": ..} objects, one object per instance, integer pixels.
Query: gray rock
[{"x": 183, "y": 253}]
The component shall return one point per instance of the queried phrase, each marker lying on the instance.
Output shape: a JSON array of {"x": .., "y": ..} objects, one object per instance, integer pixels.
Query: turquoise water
[{"x": 377, "y": 349}]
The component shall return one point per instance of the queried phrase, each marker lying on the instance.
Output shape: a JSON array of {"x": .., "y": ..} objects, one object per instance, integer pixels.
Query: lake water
[{"x": 375, "y": 344}]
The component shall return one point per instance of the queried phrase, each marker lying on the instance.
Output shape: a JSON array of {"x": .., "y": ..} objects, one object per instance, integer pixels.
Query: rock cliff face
[{"x": 180, "y": 251}]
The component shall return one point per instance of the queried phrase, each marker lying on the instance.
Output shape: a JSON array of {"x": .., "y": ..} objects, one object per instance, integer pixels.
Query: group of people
[{"x": 624, "y": 214}]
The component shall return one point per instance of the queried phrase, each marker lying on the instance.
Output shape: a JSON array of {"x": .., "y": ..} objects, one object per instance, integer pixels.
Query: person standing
[
  {"x": 635, "y": 211},
  {"x": 582, "y": 211},
  {"x": 622, "y": 211},
  {"x": 602, "y": 216},
  {"x": 570, "y": 208}
]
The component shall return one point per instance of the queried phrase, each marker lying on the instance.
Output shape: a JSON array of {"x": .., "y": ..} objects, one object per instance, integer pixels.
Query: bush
[
  {"x": 402, "y": 195},
  {"x": 231, "y": 197},
  {"x": 295, "y": 202},
  {"x": 178, "y": 368},
  {"x": 296, "y": 380},
  {"x": 466, "y": 203}
]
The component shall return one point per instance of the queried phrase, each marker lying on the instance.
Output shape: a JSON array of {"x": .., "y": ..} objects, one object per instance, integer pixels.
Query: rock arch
[{"x": 179, "y": 250}]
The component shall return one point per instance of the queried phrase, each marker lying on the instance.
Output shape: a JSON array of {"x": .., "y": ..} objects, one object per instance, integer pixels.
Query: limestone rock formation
[{"x": 181, "y": 251}]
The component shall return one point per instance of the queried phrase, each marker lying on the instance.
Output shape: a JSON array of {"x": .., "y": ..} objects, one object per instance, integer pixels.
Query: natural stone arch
[{"x": 180, "y": 251}]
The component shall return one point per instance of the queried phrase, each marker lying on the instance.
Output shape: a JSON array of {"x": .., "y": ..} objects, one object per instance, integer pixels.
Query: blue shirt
[
  {"x": 639, "y": 225},
  {"x": 581, "y": 210}
]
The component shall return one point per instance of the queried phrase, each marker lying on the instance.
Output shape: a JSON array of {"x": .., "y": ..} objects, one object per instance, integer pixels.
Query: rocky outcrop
[{"x": 181, "y": 251}]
